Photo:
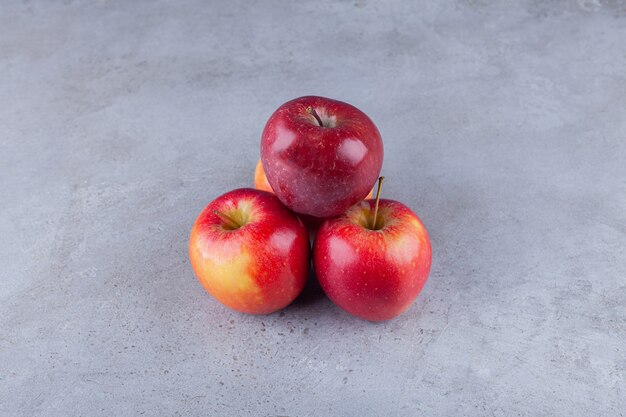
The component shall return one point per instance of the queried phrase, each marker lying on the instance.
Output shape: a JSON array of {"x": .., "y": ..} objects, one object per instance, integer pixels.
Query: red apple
[
  {"x": 374, "y": 272},
  {"x": 321, "y": 156},
  {"x": 250, "y": 252}
]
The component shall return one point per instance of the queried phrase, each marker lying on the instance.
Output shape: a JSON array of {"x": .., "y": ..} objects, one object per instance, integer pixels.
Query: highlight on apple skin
[
  {"x": 373, "y": 271},
  {"x": 320, "y": 156},
  {"x": 250, "y": 252}
]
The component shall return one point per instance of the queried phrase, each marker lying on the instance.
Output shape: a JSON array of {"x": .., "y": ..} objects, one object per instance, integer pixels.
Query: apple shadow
[{"x": 311, "y": 293}]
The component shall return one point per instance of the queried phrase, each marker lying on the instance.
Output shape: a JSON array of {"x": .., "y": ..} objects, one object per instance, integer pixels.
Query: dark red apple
[
  {"x": 320, "y": 156},
  {"x": 373, "y": 269},
  {"x": 250, "y": 252}
]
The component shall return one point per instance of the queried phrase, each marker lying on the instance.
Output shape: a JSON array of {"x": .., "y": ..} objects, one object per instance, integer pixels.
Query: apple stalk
[
  {"x": 230, "y": 222},
  {"x": 312, "y": 111},
  {"x": 380, "y": 186}
]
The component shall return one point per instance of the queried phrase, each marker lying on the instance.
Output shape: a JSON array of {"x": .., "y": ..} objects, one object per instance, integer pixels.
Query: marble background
[{"x": 504, "y": 125}]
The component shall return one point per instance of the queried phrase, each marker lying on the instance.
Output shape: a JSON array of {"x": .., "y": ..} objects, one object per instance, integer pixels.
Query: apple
[
  {"x": 373, "y": 260},
  {"x": 250, "y": 252},
  {"x": 320, "y": 156}
]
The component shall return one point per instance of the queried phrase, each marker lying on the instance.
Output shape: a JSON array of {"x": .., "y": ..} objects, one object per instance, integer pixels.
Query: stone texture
[{"x": 505, "y": 130}]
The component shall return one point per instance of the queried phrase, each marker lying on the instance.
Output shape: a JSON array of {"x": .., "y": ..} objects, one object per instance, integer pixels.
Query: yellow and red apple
[
  {"x": 250, "y": 252},
  {"x": 260, "y": 180}
]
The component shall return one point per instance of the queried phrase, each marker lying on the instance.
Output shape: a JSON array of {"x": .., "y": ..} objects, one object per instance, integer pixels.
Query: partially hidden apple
[
  {"x": 320, "y": 156},
  {"x": 250, "y": 252},
  {"x": 260, "y": 180},
  {"x": 373, "y": 260}
]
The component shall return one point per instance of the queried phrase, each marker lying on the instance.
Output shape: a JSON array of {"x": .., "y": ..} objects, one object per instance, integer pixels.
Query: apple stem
[
  {"x": 229, "y": 220},
  {"x": 380, "y": 185},
  {"x": 312, "y": 111}
]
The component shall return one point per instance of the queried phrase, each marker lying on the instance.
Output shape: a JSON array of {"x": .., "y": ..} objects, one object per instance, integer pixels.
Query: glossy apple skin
[
  {"x": 315, "y": 170},
  {"x": 373, "y": 274},
  {"x": 258, "y": 268}
]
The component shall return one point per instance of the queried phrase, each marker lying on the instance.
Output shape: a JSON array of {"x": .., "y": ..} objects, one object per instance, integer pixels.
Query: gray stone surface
[{"x": 505, "y": 130}]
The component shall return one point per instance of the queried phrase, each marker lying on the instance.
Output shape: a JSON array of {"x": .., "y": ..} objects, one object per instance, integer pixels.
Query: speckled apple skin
[
  {"x": 258, "y": 268},
  {"x": 321, "y": 171},
  {"x": 373, "y": 274}
]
